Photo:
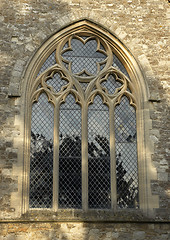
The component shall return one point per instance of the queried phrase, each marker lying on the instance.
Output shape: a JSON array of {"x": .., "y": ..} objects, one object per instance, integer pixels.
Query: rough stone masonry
[{"x": 143, "y": 27}]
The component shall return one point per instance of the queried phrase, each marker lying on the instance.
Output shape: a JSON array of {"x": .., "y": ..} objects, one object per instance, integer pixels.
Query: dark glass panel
[
  {"x": 70, "y": 189},
  {"x": 98, "y": 155},
  {"x": 41, "y": 154},
  {"x": 126, "y": 155}
]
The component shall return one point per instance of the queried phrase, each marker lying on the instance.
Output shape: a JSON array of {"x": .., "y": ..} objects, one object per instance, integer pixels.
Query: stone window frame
[{"x": 146, "y": 172}]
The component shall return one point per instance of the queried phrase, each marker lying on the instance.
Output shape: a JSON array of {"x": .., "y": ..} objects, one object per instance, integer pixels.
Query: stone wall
[
  {"x": 84, "y": 231},
  {"x": 142, "y": 25}
]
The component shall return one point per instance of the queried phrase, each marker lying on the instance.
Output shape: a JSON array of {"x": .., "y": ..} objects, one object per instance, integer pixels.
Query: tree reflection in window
[
  {"x": 70, "y": 154},
  {"x": 98, "y": 155},
  {"x": 126, "y": 155},
  {"x": 41, "y": 154}
]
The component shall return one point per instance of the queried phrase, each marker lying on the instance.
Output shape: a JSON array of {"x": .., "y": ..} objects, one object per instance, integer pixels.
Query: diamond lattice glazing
[
  {"x": 111, "y": 84},
  {"x": 57, "y": 82},
  {"x": 84, "y": 56},
  {"x": 70, "y": 155},
  {"x": 118, "y": 64},
  {"x": 50, "y": 61},
  {"x": 41, "y": 160},
  {"x": 126, "y": 155},
  {"x": 98, "y": 155}
]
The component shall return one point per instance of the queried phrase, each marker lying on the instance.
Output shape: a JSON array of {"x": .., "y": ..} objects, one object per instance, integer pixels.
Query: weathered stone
[
  {"x": 143, "y": 27},
  {"x": 163, "y": 176},
  {"x": 139, "y": 235}
]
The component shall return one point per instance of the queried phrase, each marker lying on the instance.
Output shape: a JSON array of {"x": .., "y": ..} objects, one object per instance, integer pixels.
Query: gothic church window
[{"x": 83, "y": 147}]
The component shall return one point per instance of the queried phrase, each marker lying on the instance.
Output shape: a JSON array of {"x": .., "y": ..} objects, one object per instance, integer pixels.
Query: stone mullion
[
  {"x": 56, "y": 156},
  {"x": 84, "y": 156},
  {"x": 112, "y": 157}
]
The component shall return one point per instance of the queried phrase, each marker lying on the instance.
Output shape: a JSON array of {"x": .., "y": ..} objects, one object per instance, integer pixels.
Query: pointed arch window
[{"x": 83, "y": 148}]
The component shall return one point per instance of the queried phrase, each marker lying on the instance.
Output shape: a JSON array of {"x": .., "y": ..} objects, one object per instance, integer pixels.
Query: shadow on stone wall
[
  {"x": 84, "y": 231},
  {"x": 25, "y": 26}
]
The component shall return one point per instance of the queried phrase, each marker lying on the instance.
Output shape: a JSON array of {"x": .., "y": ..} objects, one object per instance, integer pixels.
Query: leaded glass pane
[
  {"x": 126, "y": 155},
  {"x": 41, "y": 154},
  {"x": 84, "y": 56},
  {"x": 56, "y": 82},
  {"x": 70, "y": 186},
  {"x": 118, "y": 64},
  {"x": 50, "y": 61},
  {"x": 111, "y": 84},
  {"x": 98, "y": 155}
]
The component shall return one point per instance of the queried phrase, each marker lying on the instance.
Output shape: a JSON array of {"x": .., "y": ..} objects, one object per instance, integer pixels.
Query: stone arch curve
[
  {"x": 135, "y": 64},
  {"x": 119, "y": 48}
]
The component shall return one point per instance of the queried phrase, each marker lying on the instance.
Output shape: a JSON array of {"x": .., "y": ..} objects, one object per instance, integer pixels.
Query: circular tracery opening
[{"x": 83, "y": 55}]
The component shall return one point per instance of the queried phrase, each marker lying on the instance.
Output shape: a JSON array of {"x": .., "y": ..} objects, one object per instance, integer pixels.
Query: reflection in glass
[
  {"x": 70, "y": 154},
  {"x": 126, "y": 155},
  {"x": 41, "y": 154},
  {"x": 83, "y": 56},
  {"x": 98, "y": 155}
]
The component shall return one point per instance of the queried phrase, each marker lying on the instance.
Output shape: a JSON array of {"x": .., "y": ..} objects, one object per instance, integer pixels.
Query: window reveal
[{"x": 95, "y": 111}]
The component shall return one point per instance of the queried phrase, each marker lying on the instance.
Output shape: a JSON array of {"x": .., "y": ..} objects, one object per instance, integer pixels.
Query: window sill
[{"x": 76, "y": 215}]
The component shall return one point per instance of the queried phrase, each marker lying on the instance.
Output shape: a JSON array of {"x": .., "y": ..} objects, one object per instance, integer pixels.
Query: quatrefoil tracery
[
  {"x": 85, "y": 56},
  {"x": 58, "y": 81}
]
